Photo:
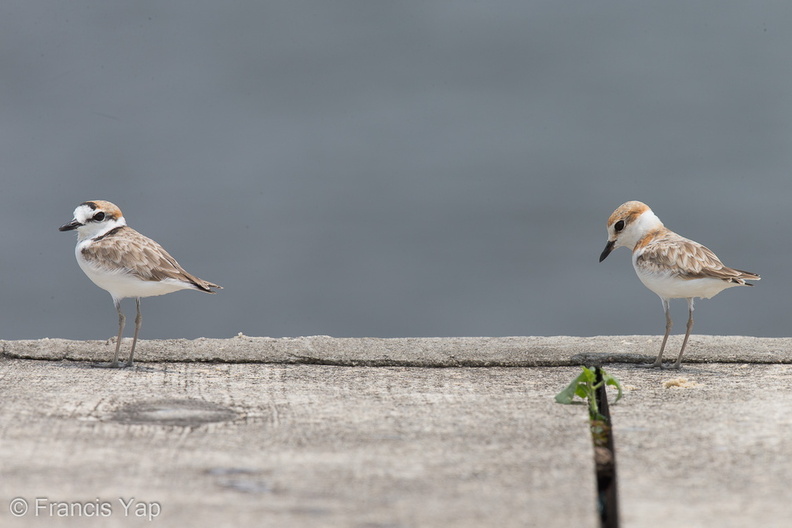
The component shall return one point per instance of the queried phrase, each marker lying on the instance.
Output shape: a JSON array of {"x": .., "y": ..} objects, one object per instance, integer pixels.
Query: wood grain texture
[{"x": 308, "y": 445}]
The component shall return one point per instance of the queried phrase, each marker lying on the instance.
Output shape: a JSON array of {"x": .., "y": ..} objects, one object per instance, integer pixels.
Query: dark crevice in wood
[{"x": 605, "y": 460}]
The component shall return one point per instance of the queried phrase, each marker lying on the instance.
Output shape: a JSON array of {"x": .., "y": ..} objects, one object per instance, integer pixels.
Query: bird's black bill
[
  {"x": 608, "y": 248},
  {"x": 74, "y": 224}
]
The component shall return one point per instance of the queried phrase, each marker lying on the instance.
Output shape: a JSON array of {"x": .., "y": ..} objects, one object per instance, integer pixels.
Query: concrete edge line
[{"x": 530, "y": 351}]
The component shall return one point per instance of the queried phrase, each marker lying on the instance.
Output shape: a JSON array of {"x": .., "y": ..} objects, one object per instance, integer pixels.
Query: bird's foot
[
  {"x": 654, "y": 365},
  {"x": 111, "y": 365}
]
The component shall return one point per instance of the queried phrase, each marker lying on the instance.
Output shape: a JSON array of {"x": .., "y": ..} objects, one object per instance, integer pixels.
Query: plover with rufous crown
[
  {"x": 125, "y": 263},
  {"x": 668, "y": 264}
]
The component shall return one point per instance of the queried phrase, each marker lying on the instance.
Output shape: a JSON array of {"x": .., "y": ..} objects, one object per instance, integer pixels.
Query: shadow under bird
[
  {"x": 125, "y": 263},
  {"x": 670, "y": 265}
]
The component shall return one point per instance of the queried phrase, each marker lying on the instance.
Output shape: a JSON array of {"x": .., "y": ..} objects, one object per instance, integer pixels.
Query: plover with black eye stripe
[
  {"x": 668, "y": 264},
  {"x": 125, "y": 263}
]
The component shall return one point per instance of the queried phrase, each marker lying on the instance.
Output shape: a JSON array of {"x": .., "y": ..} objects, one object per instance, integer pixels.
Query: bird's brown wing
[
  {"x": 688, "y": 260},
  {"x": 125, "y": 250}
]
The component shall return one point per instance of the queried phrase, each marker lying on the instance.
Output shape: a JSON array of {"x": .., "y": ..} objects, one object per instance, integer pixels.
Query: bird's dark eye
[
  {"x": 98, "y": 217},
  {"x": 618, "y": 226}
]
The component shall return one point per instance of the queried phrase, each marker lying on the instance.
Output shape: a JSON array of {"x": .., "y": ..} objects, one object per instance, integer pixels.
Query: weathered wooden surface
[
  {"x": 303, "y": 445},
  {"x": 288, "y": 433},
  {"x": 708, "y": 446}
]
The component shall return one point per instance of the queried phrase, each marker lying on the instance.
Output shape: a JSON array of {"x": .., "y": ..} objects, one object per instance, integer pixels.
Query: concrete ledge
[{"x": 416, "y": 352}]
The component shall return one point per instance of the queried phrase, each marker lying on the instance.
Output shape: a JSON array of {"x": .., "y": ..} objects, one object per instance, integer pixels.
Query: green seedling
[{"x": 585, "y": 386}]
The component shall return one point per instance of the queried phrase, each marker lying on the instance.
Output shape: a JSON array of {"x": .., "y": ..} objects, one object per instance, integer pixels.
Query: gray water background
[{"x": 395, "y": 168}]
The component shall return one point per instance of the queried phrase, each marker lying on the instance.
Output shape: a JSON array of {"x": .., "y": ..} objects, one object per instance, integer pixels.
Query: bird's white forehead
[{"x": 83, "y": 213}]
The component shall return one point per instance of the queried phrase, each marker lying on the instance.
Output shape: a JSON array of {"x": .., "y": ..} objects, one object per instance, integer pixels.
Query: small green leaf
[
  {"x": 610, "y": 380},
  {"x": 567, "y": 395},
  {"x": 589, "y": 375}
]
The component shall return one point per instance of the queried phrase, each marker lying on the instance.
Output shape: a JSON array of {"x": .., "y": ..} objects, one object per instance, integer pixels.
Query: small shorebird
[
  {"x": 668, "y": 264},
  {"x": 125, "y": 263}
]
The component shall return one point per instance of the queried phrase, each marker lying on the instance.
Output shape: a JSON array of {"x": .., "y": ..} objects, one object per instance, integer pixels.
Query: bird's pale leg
[
  {"x": 138, "y": 321},
  {"x": 669, "y": 323},
  {"x": 678, "y": 363},
  {"x": 121, "y": 321}
]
